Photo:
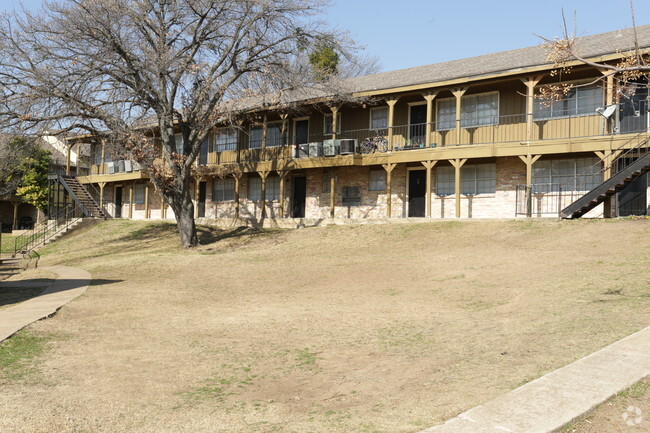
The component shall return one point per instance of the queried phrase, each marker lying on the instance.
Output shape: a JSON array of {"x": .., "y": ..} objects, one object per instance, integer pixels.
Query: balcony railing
[{"x": 476, "y": 131}]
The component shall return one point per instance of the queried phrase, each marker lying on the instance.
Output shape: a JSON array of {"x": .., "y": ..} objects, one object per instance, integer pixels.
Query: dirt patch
[{"x": 389, "y": 328}]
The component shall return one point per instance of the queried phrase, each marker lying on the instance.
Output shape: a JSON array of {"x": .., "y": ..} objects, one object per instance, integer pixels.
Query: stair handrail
[
  {"x": 95, "y": 194},
  {"x": 62, "y": 180},
  {"x": 46, "y": 229}
]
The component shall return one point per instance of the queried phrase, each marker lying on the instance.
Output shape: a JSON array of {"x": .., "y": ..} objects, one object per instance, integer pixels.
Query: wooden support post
[
  {"x": 282, "y": 174},
  {"x": 263, "y": 175},
  {"x": 529, "y": 160},
  {"x": 131, "y": 187},
  {"x": 285, "y": 127},
  {"x": 530, "y": 83},
  {"x": 458, "y": 93},
  {"x": 428, "y": 165},
  {"x": 332, "y": 196},
  {"x": 335, "y": 122},
  {"x": 429, "y": 97},
  {"x": 389, "y": 192},
  {"x": 163, "y": 207},
  {"x": 237, "y": 197},
  {"x": 391, "y": 120},
  {"x": 146, "y": 201},
  {"x": 196, "y": 197},
  {"x": 67, "y": 160},
  {"x": 101, "y": 194},
  {"x": 15, "y": 222},
  {"x": 608, "y": 157},
  {"x": 458, "y": 164},
  {"x": 609, "y": 98},
  {"x": 102, "y": 167},
  {"x": 264, "y": 132}
]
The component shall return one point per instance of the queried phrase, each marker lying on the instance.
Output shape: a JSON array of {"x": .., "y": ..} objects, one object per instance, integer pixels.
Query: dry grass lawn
[{"x": 378, "y": 328}]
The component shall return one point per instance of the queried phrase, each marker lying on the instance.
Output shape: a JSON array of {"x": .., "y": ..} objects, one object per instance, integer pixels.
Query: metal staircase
[
  {"x": 638, "y": 156},
  {"x": 82, "y": 197}
]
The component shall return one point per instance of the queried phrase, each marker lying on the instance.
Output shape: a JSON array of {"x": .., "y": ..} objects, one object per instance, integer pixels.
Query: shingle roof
[{"x": 588, "y": 46}]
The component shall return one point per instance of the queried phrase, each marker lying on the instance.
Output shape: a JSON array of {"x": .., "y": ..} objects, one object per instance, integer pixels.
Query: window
[
  {"x": 379, "y": 118},
  {"x": 327, "y": 182},
  {"x": 138, "y": 193},
  {"x": 475, "y": 110},
  {"x": 351, "y": 196},
  {"x": 580, "y": 174},
  {"x": 272, "y": 188},
  {"x": 223, "y": 189},
  {"x": 97, "y": 148},
  {"x": 203, "y": 154},
  {"x": 377, "y": 180},
  {"x": 579, "y": 101},
  {"x": 327, "y": 122},
  {"x": 273, "y": 135},
  {"x": 179, "y": 143},
  {"x": 225, "y": 139},
  {"x": 474, "y": 179}
]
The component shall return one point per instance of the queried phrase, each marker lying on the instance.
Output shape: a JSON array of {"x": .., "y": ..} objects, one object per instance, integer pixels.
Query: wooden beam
[
  {"x": 391, "y": 120},
  {"x": 608, "y": 157},
  {"x": 101, "y": 194},
  {"x": 429, "y": 97},
  {"x": 196, "y": 196},
  {"x": 332, "y": 196},
  {"x": 529, "y": 160},
  {"x": 237, "y": 197},
  {"x": 67, "y": 160},
  {"x": 146, "y": 200},
  {"x": 428, "y": 165},
  {"x": 263, "y": 175},
  {"x": 530, "y": 83},
  {"x": 102, "y": 167},
  {"x": 15, "y": 222},
  {"x": 131, "y": 200},
  {"x": 163, "y": 207},
  {"x": 458, "y": 93},
  {"x": 458, "y": 164},
  {"x": 389, "y": 192},
  {"x": 264, "y": 131},
  {"x": 282, "y": 174},
  {"x": 335, "y": 122}
]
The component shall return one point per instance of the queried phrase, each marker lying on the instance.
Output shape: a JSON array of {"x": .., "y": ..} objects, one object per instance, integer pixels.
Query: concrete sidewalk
[
  {"x": 71, "y": 283},
  {"x": 550, "y": 402}
]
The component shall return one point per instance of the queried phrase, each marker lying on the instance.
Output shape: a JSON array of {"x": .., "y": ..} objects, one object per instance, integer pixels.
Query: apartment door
[
  {"x": 417, "y": 193},
  {"x": 302, "y": 131},
  {"x": 417, "y": 125},
  {"x": 633, "y": 199},
  {"x": 633, "y": 113},
  {"x": 299, "y": 198},
  {"x": 118, "y": 202},
  {"x": 201, "y": 203}
]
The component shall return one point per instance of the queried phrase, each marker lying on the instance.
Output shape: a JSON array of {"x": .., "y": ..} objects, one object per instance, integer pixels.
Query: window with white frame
[
  {"x": 272, "y": 188},
  {"x": 138, "y": 193},
  {"x": 474, "y": 179},
  {"x": 225, "y": 139},
  {"x": 578, "y": 101},
  {"x": 377, "y": 181},
  {"x": 577, "y": 174},
  {"x": 327, "y": 123},
  {"x": 475, "y": 110},
  {"x": 223, "y": 189},
  {"x": 379, "y": 118}
]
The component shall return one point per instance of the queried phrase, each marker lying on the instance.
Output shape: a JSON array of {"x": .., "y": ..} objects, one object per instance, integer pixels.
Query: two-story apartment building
[{"x": 460, "y": 139}]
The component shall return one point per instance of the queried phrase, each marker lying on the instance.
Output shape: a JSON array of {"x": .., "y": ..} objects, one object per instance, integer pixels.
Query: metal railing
[{"x": 47, "y": 229}]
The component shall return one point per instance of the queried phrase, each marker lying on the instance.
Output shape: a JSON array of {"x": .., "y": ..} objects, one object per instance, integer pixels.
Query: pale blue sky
[{"x": 405, "y": 33}]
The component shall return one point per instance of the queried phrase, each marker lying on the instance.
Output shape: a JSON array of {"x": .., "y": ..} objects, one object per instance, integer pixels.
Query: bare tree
[
  {"x": 565, "y": 51},
  {"x": 108, "y": 67}
]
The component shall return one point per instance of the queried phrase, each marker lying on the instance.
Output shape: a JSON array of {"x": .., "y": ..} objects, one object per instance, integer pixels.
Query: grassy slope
[{"x": 360, "y": 328}]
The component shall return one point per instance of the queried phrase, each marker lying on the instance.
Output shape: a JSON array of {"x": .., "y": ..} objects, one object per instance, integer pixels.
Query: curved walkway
[{"x": 71, "y": 283}]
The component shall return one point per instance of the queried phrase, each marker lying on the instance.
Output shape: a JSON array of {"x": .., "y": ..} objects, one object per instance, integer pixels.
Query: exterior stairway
[
  {"x": 608, "y": 188},
  {"x": 82, "y": 197}
]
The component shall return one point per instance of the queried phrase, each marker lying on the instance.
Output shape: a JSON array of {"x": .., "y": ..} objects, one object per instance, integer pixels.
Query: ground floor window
[
  {"x": 138, "y": 193},
  {"x": 223, "y": 189},
  {"x": 576, "y": 174},
  {"x": 351, "y": 196},
  {"x": 474, "y": 179},
  {"x": 327, "y": 182},
  {"x": 377, "y": 181},
  {"x": 272, "y": 188}
]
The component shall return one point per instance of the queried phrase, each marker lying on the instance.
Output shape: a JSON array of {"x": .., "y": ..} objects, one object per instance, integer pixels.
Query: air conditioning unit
[
  {"x": 315, "y": 149},
  {"x": 120, "y": 166},
  {"x": 331, "y": 147},
  {"x": 128, "y": 167},
  {"x": 348, "y": 146},
  {"x": 111, "y": 167},
  {"x": 136, "y": 166}
]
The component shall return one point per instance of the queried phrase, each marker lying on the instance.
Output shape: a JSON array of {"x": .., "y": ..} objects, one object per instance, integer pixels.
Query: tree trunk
[{"x": 184, "y": 214}]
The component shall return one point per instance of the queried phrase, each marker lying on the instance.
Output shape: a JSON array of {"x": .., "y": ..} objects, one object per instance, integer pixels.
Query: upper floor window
[
  {"x": 255, "y": 137},
  {"x": 225, "y": 139},
  {"x": 205, "y": 149},
  {"x": 474, "y": 179},
  {"x": 579, "y": 101},
  {"x": 379, "y": 118},
  {"x": 273, "y": 135},
  {"x": 178, "y": 138},
  {"x": 475, "y": 110},
  {"x": 327, "y": 122}
]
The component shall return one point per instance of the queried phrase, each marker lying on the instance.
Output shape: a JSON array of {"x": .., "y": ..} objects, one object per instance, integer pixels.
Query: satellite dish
[{"x": 606, "y": 112}]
